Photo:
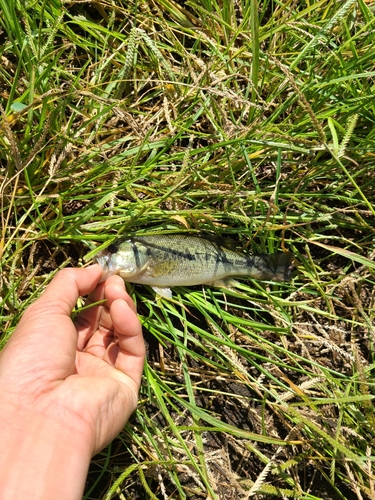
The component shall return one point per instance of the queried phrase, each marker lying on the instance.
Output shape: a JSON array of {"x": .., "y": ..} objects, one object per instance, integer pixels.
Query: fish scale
[
  {"x": 189, "y": 260},
  {"x": 187, "y": 267},
  {"x": 164, "y": 261}
]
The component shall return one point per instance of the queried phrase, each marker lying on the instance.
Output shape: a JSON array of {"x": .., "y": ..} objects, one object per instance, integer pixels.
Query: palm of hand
[{"x": 87, "y": 373}]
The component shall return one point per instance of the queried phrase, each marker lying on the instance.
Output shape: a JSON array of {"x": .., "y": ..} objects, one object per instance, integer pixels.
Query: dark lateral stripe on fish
[{"x": 172, "y": 251}]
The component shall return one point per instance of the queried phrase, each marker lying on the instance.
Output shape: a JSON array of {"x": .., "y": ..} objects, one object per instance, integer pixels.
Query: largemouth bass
[{"x": 164, "y": 261}]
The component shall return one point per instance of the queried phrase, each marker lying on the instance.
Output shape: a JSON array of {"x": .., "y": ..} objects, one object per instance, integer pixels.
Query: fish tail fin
[{"x": 275, "y": 266}]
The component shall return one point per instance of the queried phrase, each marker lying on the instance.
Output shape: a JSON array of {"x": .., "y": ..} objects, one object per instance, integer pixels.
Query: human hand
[{"x": 78, "y": 380}]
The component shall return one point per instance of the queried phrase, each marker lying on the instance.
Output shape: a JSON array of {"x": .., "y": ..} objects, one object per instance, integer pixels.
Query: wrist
[{"x": 40, "y": 457}]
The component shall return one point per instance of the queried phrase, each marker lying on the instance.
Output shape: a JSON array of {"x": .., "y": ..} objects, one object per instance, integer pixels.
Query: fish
[{"x": 167, "y": 260}]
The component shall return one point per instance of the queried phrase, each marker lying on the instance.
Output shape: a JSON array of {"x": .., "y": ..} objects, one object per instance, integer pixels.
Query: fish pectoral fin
[
  {"x": 163, "y": 292},
  {"x": 226, "y": 283}
]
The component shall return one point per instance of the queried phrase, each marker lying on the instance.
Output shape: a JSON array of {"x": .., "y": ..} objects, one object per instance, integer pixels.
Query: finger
[
  {"x": 46, "y": 333},
  {"x": 115, "y": 289},
  {"x": 67, "y": 285},
  {"x": 51, "y": 311},
  {"x": 128, "y": 353},
  {"x": 103, "y": 330},
  {"x": 87, "y": 321}
]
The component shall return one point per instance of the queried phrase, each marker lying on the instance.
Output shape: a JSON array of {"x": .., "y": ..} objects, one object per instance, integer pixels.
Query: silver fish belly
[{"x": 164, "y": 261}]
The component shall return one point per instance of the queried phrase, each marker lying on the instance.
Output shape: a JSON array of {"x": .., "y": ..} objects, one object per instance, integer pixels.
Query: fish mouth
[{"x": 104, "y": 261}]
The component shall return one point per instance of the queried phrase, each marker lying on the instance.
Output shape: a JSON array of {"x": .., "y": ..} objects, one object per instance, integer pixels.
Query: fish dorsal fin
[
  {"x": 221, "y": 241},
  {"x": 214, "y": 238}
]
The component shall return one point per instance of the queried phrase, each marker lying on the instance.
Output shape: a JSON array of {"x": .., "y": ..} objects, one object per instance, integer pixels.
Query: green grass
[{"x": 249, "y": 120}]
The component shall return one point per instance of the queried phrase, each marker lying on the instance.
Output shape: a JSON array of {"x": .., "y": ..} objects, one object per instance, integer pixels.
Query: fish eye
[{"x": 112, "y": 248}]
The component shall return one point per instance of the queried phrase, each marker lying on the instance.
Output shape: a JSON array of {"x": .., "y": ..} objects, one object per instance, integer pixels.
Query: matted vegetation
[{"x": 244, "y": 120}]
